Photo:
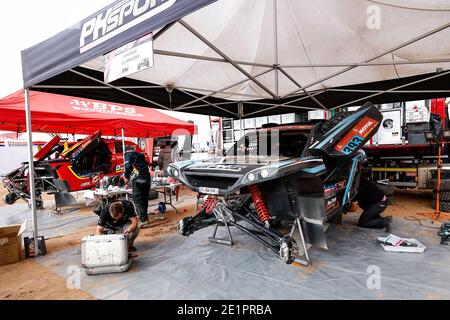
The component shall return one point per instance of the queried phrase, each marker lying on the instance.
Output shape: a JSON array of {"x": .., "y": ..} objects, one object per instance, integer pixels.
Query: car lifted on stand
[
  {"x": 73, "y": 169},
  {"x": 294, "y": 176}
]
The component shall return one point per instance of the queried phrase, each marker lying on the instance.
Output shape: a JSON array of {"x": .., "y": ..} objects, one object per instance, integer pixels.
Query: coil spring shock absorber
[
  {"x": 260, "y": 205},
  {"x": 208, "y": 203}
]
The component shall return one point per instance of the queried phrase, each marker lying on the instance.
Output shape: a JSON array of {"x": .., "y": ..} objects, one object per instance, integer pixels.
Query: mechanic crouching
[
  {"x": 119, "y": 217},
  {"x": 135, "y": 162},
  {"x": 373, "y": 201}
]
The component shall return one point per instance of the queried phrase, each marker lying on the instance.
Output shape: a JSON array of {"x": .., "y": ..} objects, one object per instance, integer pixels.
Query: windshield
[{"x": 273, "y": 143}]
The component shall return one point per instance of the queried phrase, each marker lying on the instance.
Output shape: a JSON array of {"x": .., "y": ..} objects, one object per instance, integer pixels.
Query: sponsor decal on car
[{"x": 356, "y": 136}]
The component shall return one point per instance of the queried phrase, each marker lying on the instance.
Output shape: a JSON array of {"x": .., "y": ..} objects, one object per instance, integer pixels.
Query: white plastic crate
[{"x": 105, "y": 254}]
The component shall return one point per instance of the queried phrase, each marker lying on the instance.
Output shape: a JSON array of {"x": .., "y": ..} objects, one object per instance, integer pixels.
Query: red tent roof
[{"x": 64, "y": 114}]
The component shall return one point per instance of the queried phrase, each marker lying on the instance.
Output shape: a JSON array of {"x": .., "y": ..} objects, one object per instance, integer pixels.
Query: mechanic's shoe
[
  {"x": 144, "y": 223},
  {"x": 132, "y": 249},
  {"x": 387, "y": 223}
]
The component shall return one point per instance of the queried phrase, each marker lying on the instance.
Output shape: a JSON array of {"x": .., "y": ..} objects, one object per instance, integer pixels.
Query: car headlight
[
  {"x": 175, "y": 172},
  {"x": 251, "y": 177},
  {"x": 264, "y": 173}
]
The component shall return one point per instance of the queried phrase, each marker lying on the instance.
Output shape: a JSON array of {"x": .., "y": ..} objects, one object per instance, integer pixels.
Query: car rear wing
[{"x": 350, "y": 134}]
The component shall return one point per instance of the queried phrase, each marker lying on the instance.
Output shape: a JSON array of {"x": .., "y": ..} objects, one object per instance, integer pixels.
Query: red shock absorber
[
  {"x": 260, "y": 205},
  {"x": 209, "y": 203}
]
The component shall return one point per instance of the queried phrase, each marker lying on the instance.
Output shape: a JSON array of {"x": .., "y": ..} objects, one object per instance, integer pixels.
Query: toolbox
[{"x": 105, "y": 254}]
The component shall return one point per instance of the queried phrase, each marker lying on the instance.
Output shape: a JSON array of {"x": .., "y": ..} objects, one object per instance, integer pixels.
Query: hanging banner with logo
[{"x": 130, "y": 58}]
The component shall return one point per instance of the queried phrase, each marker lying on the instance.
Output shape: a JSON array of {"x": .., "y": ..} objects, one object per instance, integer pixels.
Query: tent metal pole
[
  {"x": 95, "y": 87},
  {"x": 31, "y": 171},
  {"x": 117, "y": 88},
  {"x": 275, "y": 46},
  {"x": 223, "y": 92},
  {"x": 241, "y": 114},
  {"x": 139, "y": 87},
  {"x": 384, "y": 91},
  {"x": 277, "y": 106},
  {"x": 392, "y": 89},
  {"x": 123, "y": 152},
  {"x": 303, "y": 89},
  {"x": 219, "y": 91},
  {"x": 209, "y": 103},
  {"x": 361, "y": 64},
  {"x": 207, "y": 58},
  {"x": 222, "y": 54},
  {"x": 404, "y": 44}
]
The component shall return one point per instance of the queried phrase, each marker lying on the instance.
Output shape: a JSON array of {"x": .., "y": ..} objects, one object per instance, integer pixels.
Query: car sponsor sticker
[{"x": 356, "y": 136}]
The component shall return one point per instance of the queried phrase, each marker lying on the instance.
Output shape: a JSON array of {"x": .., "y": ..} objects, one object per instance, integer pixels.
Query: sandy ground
[
  {"x": 3, "y": 192},
  {"x": 29, "y": 280}
]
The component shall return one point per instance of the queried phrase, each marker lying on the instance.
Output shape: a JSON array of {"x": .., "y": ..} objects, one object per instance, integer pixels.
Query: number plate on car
[{"x": 209, "y": 190}]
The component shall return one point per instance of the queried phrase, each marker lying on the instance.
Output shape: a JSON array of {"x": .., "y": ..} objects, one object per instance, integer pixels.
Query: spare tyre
[
  {"x": 445, "y": 174},
  {"x": 443, "y": 196},
  {"x": 10, "y": 198},
  {"x": 445, "y": 184},
  {"x": 443, "y": 206}
]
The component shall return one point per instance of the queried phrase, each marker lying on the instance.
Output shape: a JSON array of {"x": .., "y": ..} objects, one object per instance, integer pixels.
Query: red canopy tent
[{"x": 64, "y": 114}]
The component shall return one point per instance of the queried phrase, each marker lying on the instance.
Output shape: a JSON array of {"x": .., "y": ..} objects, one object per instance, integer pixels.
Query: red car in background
[{"x": 62, "y": 167}]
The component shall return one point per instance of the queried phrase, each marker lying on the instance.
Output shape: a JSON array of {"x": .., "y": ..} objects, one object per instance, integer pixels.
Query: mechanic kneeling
[
  {"x": 373, "y": 201},
  {"x": 119, "y": 217}
]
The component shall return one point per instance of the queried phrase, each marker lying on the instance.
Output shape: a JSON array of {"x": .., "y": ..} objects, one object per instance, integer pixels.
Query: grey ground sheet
[{"x": 175, "y": 267}]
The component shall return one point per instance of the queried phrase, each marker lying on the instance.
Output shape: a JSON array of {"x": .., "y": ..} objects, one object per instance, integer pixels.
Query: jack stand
[
  {"x": 213, "y": 238},
  {"x": 306, "y": 261},
  {"x": 437, "y": 213}
]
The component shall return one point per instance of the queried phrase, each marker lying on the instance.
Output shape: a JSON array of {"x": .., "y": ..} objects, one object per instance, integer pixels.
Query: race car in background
[
  {"x": 61, "y": 167},
  {"x": 280, "y": 178}
]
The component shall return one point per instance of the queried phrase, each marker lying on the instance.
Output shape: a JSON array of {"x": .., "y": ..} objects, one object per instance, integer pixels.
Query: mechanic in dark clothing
[
  {"x": 135, "y": 162},
  {"x": 373, "y": 201},
  {"x": 119, "y": 217}
]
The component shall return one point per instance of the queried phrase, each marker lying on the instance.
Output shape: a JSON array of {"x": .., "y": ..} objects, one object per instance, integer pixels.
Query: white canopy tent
[
  {"x": 244, "y": 50},
  {"x": 243, "y": 58}
]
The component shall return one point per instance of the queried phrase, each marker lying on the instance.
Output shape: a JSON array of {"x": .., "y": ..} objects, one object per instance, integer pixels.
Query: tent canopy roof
[
  {"x": 255, "y": 57},
  {"x": 65, "y": 114}
]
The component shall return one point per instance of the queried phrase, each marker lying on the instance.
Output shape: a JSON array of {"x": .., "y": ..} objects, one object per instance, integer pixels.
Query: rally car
[
  {"x": 279, "y": 178},
  {"x": 62, "y": 167}
]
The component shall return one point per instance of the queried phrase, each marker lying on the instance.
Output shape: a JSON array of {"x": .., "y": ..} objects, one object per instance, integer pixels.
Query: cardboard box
[{"x": 11, "y": 243}]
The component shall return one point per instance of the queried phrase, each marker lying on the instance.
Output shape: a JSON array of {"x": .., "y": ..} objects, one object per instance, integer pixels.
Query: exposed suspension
[
  {"x": 209, "y": 203},
  {"x": 260, "y": 205}
]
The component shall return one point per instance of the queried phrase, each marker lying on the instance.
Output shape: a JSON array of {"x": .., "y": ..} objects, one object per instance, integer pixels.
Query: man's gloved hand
[{"x": 127, "y": 233}]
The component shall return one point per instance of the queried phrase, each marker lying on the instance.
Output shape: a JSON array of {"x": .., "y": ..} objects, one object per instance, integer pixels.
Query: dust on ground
[
  {"x": 4, "y": 192},
  {"x": 29, "y": 280}
]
